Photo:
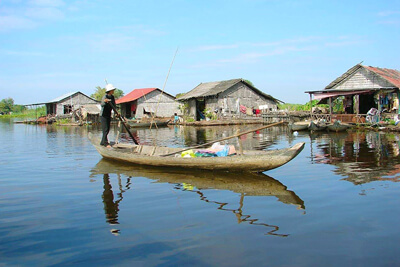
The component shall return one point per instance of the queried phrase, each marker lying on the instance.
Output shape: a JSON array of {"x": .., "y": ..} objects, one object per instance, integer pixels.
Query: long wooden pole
[
  {"x": 123, "y": 123},
  {"x": 223, "y": 139},
  {"x": 165, "y": 82}
]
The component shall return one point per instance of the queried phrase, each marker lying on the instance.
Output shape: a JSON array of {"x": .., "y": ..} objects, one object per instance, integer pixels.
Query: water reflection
[
  {"x": 178, "y": 136},
  {"x": 245, "y": 184},
  {"x": 360, "y": 157},
  {"x": 110, "y": 206}
]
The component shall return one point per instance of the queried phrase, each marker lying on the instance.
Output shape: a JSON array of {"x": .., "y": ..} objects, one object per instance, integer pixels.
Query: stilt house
[
  {"x": 228, "y": 98},
  {"x": 147, "y": 102},
  {"x": 66, "y": 104},
  {"x": 358, "y": 90}
]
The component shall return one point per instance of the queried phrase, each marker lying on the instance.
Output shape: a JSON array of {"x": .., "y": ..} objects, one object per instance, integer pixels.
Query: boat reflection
[
  {"x": 360, "y": 157},
  {"x": 246, "y": 184}
]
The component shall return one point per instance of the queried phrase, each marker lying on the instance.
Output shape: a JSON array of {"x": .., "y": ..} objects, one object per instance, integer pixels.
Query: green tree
[
  {"x": 179, "y": 95},
  {"x": 249, "y": 82},
  {"x": 100, "y": 92},
  {"x": 19, "y": 108},
  {"x": 6, "y": 105}
]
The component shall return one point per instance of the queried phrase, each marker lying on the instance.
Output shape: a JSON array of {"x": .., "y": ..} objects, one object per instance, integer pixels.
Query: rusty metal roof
[
  {"x": 136, "y": 94},
  {"x": 390, "y": 75}
]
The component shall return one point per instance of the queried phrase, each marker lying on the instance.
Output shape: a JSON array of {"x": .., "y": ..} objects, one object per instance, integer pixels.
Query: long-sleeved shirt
[{"x": 106, "y": 107}]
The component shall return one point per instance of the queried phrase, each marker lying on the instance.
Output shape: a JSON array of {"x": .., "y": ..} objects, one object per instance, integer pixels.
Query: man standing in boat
[{"x": 107, "y": 104}]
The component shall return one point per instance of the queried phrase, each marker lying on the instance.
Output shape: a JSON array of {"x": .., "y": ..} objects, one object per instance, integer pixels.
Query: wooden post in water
[
  {"x": 118, "y": 131},
  {"x": 240, "y": 143}
]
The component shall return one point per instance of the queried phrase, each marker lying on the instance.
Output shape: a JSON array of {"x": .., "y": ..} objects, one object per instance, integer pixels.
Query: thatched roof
[{"x": 215, "y": 88}]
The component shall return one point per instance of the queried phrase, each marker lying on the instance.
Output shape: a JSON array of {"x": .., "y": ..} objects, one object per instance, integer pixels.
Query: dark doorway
[
  {"x": 366, "y": 103},
  {"x": 127, "y": 110},
  {"x": 200, "y": 107}
]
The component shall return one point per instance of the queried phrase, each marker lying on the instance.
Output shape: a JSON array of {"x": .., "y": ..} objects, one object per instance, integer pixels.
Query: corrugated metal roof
[
  {"x": 60, "y": 98},
  {"x": 390, "y": 75},
  {"x": 71, "y": 94},
  {"x": 214, "y": 88},
  {"x": 135, "y": 94}
]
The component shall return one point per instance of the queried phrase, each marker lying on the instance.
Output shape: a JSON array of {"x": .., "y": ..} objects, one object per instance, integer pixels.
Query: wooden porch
[{"x": 345, "y": 118}]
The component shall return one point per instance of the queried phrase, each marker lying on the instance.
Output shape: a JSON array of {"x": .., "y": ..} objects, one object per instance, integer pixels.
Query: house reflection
[{"x": 360, "y": 157}]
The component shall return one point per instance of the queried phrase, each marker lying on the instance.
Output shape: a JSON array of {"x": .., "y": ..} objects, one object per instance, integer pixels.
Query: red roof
[
  {"x": 135, "y": 94},
  {"x": 392, "y": 76}
]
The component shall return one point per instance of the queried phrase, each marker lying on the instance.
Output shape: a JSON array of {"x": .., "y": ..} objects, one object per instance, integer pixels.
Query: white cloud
[
  {"x": 22, "y": 53},
  {"x": 12, "y": 22},
  {"x": 388, "y": 13},
  {"x": 47, "y": 3},
  {"x": 390, "y": 22},
  {"x": 30, "y": 15},
  {"x": 44, "y": 13},
  {"x": 215, "y": 47},
  {"x": 143, "y": 29},
  {"x": 391, "y": 17},
  {"x": 256, "y": 52},
  {"x": 345, "y": 41},
  {"x": 251, "y": 57},
  {"x": 111, "y": 42},
  {"x": 299, "y": 40}
]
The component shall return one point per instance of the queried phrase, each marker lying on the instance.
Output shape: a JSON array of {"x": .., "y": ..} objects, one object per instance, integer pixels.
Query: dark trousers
[{"x": 105, "y": 127}]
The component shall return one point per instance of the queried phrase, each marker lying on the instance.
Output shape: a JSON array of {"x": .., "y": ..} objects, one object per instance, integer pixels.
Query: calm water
[{"x": 336, "y": 204}]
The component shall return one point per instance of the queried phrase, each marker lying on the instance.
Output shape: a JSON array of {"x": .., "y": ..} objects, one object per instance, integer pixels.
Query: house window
[{"x": 67, "y": 109}]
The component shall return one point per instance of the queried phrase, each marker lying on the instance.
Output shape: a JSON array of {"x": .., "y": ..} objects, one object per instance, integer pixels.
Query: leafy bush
[
  {"x": 300, "y": 107},
  {"x": 63, "y": 121},
  {"x": 210, "y": 114},
  {"x": 100, "y": 92}
]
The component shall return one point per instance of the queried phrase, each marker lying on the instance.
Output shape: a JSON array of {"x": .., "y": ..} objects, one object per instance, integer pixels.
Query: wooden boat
[
  {"x": 251, "y": 160},
  {"x": 155, "y": 124},
  {"x": 337, "y": 126},
  {"x": 298, "y": 126},
  {"x": 316, "y": 126},
  {"x": 249, "y": 184}
]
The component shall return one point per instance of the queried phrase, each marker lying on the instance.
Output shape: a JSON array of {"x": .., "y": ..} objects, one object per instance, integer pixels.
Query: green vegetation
[
  {"x": 9, "y": 109},
  {"x": 184, "y": 108},
  {"x": 337, "y": 104},
  {"x": 63, "y": 121},
  {"x": 249, "y": 82},
  {"x": 7, "y": 105},
  {"x": 100, "y": 92},
  {"x": 300, "y": 107},
  {"x": 210, "y": 114}
]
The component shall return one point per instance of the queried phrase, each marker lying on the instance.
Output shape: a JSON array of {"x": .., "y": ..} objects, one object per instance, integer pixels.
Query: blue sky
[{"x": 285, "y": 47}]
